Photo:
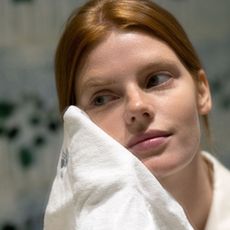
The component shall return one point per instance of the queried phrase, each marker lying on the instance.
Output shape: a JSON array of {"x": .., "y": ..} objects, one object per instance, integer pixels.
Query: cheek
[
  {"x": 182, "y": 106},
  {"x": 188, "y": 129},
  {"x": 184, "y": 114},
  {"x": 111, "y": 123},
  {"x": 182, "y": 117}
]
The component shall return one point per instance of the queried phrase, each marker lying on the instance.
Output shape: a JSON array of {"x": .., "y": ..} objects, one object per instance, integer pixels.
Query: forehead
[
  {"x": 128, "y": 46},
  {"x": 122, "y": 55}
]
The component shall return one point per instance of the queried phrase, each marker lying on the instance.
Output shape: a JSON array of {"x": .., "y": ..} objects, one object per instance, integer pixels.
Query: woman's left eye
[{"x": 157, "y": 80}]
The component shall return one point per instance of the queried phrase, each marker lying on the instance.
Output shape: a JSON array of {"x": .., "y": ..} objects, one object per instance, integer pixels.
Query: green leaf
[
  {"x": 6, "y": 109},
  {"x": 26, "y": 157}
]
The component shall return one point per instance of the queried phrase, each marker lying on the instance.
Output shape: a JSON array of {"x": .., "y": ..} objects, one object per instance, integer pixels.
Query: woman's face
[{"x": 136, "y": 89}]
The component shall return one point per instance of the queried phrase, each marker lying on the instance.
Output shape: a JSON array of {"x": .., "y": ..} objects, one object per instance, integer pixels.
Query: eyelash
[
  {"x": 156, "y": 77},
  {"x": 105, "y": 96},
  {"x": 108, "y": 96}
]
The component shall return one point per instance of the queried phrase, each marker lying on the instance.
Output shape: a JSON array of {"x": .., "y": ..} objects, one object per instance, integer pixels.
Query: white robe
[{"x": 219, "y": 216}]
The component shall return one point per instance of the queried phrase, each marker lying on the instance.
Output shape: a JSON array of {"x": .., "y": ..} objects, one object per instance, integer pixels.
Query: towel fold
[{"x": 100, "y": 185}]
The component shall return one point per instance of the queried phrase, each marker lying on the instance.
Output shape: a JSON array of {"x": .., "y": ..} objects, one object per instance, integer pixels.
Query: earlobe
[{"x": 204, "y": 94}]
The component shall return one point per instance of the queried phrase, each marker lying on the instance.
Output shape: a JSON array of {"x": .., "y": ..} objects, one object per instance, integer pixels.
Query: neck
[{"x": 192, "y": 188}]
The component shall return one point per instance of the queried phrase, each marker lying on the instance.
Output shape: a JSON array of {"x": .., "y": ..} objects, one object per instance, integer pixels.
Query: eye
[
  {"x": 101, "y": 100},
  {"x": 157, "y": 80}
]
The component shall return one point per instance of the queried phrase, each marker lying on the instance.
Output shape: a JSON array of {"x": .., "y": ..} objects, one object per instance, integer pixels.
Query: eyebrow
[
  {"x": 100, "y": 81},
  {"x": 94, "y": 82},
  {"x": 158, "y": 65}
]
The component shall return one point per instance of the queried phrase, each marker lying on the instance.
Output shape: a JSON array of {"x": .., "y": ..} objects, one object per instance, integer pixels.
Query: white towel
[{"x": 100, "y": 185}]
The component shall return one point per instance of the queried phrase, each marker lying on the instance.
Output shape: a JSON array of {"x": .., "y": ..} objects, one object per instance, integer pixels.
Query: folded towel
[{"x": 100, "y": 185}]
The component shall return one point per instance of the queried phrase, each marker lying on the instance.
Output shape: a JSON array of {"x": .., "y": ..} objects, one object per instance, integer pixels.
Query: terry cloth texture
[{"x": 100, "y": 185}]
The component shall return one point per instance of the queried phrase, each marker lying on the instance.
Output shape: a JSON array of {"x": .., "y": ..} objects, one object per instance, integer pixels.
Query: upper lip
[{"x": 146, "y": 136}]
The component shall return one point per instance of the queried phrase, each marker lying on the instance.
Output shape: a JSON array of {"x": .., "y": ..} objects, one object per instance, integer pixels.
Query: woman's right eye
[{"x": 103, "y": 100}]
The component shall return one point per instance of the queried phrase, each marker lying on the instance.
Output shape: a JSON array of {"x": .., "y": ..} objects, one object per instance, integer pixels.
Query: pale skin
[{"x": 132, "y": 85}]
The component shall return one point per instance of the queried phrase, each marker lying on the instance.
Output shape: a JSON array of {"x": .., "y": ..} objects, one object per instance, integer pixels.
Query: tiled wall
[{"x": 30, "y": 133}]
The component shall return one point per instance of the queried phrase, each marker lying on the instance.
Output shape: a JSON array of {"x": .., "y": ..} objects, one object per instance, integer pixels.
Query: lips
[{"x": 149, "y": 141}]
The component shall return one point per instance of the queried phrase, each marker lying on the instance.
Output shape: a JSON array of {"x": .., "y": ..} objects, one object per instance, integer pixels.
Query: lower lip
[{"x": 153, "y": 145}]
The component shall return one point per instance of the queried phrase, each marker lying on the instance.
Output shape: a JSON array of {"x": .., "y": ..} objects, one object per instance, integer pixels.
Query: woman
[{"x": 130, "y": 66}]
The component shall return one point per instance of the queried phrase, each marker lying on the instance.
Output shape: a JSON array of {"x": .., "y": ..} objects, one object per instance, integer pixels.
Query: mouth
[{"x": 151, "y": 141}]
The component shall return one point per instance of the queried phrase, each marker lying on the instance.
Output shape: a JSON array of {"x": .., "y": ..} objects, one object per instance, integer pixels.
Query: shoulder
[{"x": 219, "y": 217}]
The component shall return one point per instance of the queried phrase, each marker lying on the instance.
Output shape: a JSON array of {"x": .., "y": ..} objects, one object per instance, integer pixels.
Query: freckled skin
[{"x": 128, "y": 104}]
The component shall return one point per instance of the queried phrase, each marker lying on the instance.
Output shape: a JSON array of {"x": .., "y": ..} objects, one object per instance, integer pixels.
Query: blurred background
[{"x": 30, "y": 129}]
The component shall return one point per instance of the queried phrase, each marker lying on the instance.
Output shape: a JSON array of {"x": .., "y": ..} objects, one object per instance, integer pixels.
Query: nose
[{"x": 138, "y": 109}]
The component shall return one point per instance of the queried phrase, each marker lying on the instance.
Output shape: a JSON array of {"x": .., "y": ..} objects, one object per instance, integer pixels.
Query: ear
[{"x": 204, "y": 100}]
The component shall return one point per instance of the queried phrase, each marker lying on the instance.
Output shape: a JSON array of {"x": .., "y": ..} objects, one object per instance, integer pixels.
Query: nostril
[
  {"x": 146, "y": 114},
  {"x": 132, "y": 118}
]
